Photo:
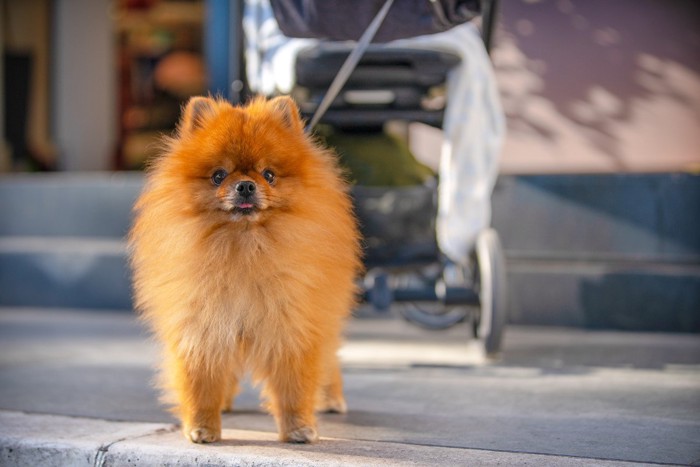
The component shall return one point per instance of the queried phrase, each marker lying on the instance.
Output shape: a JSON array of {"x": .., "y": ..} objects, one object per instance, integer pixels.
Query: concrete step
[
  {"x": 603, "y": 251},
  {"x": 62, "y": 239}
]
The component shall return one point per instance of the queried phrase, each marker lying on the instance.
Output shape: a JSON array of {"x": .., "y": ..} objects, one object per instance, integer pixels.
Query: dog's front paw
[
  {"x": 203, "y": 435},
  {"x": 305, "y": 434}
]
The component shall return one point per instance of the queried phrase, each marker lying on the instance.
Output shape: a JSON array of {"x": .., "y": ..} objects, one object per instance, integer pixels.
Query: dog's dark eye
[
  {"x": 269, "y": 175},
  {"x": 218, "y": 177}
]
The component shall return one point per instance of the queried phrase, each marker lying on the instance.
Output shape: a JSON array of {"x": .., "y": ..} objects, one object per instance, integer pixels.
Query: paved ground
[{"x": 74, "y": 390}]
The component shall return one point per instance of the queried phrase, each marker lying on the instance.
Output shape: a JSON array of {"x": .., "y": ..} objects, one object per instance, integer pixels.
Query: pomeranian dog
[{"x": 245, "y": 252}]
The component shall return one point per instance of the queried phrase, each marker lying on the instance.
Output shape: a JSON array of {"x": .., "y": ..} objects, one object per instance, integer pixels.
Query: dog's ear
[
  {"x": 197, "y": 111},
  {"x": 287, "y": 109}
]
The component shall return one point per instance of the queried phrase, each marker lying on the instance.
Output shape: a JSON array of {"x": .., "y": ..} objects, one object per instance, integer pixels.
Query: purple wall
[{"x": 600, "y": 85}]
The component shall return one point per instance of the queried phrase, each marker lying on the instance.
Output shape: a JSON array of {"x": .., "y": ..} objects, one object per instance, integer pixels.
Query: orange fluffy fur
[{"x": 264, "y": 290}]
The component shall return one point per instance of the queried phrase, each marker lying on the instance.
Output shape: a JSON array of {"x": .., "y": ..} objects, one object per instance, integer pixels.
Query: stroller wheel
[
  {"x": 490, "y": 279},
  {"x": 433, "y": 316}
]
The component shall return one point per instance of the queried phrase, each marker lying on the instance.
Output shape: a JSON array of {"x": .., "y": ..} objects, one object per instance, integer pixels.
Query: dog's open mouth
[{"x": 244, "y": 208}]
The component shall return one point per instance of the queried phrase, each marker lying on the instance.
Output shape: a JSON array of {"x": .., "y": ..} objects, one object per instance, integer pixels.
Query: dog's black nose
[{"x": 245, "y": 188}]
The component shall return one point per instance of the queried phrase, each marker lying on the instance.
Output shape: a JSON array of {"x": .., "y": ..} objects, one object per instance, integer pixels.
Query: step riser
[
  {"x": 627, "y": 299},
  {"x": 67, "y": 280}
]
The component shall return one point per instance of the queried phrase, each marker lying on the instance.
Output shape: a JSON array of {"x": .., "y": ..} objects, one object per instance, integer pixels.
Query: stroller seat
[{"x": 389, "y": 83}]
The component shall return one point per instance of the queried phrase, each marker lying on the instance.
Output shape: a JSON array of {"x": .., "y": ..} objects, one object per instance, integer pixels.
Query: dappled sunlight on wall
[{"x": 599, "y": 86}]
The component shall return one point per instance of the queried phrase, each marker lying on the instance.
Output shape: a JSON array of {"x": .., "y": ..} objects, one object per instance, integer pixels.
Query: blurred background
[
  {"x": 588, "y": 86},
  {"x": 597, "y": 204}
]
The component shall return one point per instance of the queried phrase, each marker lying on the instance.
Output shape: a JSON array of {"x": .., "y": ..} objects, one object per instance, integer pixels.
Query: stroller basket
[{"x": 398, "y": 224}]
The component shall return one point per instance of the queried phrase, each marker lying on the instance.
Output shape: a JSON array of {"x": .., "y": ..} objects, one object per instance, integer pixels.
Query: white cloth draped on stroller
[{"x": 473, "y": 126}]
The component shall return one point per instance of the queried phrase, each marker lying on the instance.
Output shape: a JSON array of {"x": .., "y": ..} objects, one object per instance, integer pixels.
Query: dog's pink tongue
[{"x": 245, "y": 205}]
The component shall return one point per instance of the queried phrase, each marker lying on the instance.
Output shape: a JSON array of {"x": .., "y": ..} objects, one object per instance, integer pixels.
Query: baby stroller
[{"x": 405, "y": 263}]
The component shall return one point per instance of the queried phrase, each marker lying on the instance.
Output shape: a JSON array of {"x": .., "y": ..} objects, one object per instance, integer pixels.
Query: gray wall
[{"x": 84, "y": 92}]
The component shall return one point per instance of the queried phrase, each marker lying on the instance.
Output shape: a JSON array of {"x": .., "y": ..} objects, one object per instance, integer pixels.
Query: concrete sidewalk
[{"x": 74, "y": 390}]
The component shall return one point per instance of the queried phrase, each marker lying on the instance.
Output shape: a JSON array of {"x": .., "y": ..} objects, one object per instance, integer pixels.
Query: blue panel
[{"x": 216, "y": 46}]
